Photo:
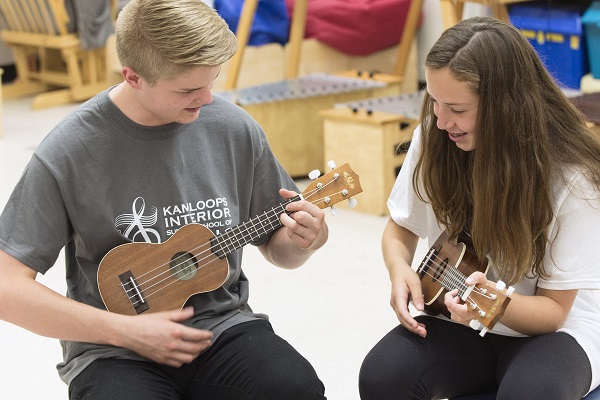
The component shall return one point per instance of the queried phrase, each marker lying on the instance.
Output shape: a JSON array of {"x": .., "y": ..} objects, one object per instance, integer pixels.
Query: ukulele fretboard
[{"x": 240, "y": 235}]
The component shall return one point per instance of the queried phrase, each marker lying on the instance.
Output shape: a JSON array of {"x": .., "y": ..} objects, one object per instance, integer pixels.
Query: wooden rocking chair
[{"x": 48, "y": 58}]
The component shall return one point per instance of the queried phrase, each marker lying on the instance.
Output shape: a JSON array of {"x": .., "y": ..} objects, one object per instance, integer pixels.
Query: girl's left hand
[{"x": 458, "y": 311}]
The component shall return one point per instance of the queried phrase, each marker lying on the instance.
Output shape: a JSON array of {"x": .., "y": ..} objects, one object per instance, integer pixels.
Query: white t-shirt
[{"x": 570, "y": 260}]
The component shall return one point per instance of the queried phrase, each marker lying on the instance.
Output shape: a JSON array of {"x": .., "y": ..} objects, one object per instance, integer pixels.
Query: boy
[{"x": 136, "y": 163}]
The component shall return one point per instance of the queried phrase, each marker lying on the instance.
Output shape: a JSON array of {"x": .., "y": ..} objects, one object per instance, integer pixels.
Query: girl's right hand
[
  {"x": 398, "y": 246},
  {"x": 406, "y": 287}
]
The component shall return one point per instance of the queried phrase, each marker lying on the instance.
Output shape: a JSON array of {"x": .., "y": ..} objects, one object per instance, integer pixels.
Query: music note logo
[{"x": 138, "y": 224}]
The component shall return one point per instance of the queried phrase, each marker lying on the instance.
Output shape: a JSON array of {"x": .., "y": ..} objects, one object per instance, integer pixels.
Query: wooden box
[
  {"x": 373, "y": 137},
  {"x": 288, "y": 111}
]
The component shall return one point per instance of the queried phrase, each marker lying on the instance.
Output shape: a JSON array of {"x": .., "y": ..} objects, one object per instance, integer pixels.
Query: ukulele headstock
[
  {"x": 486, "y": 303},
  {"x": 341, "y": 183}
]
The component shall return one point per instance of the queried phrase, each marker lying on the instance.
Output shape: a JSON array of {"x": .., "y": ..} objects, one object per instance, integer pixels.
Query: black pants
[
  {"x": 247, "y": 361},
  {"x": 454, "y": 360}
]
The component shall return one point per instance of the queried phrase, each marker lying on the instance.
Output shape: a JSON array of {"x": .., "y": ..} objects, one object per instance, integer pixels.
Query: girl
[{"x": 502, "y": 158}]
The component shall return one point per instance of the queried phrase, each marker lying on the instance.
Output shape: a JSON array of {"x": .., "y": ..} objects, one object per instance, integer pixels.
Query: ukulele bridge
[{"x": 133, "y": 292}]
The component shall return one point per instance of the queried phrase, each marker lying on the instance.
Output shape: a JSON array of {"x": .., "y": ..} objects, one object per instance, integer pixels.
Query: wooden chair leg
[
  {"x": 52, "y": 98},
  {"x": 500, "y": 11},
  {"x": 24, "y": 84},
  {"x": 91, "y": 73},
  {"x": 451, "y": 12},
  {"x": 81, "y": 71},
  {"x": 243, "y": 35},
  {"x": 408, "y": 34},
  {"x": 297, "y": 32}
]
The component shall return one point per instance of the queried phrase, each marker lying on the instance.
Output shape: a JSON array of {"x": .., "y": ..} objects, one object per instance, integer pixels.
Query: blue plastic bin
[
  {"x": 556, "y": 32},
  {"x": 591, "y": 26}
]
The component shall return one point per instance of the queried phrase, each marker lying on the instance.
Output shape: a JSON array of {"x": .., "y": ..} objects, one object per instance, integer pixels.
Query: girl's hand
[
  {"x": 459, "y": 312},
  {"x": 407, "y": 287}
]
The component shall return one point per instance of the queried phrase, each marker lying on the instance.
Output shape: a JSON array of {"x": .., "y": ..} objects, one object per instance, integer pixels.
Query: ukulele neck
[{"x": 240, "y": 235}]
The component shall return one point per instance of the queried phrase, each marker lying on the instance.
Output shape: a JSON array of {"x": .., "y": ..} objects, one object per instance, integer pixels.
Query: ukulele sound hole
[{"x": 183, "y": 265}]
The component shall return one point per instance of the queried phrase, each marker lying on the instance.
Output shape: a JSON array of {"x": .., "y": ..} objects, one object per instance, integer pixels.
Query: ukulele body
[
  {"x": 145, "y": 277},
  {"x": 137, "y": 277},
  {"x": 445, "y": 254}
]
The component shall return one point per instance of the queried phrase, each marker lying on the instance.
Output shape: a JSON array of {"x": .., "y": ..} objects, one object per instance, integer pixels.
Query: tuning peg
[
  {"x": 510, "y": 290},
  {"x": 500, "y": 285},
  {"x": 483, "y": 332},
  {"x": 352, "y": 202},
  {"x": 331, "y": 164},
  {"x": 314, "y": 174},
  {"x": 334, "y": 211},
  {"x": 475, "y": 324}
]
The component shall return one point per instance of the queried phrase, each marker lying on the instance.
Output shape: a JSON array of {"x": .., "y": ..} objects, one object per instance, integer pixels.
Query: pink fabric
[{"x": 355, "y": 27}]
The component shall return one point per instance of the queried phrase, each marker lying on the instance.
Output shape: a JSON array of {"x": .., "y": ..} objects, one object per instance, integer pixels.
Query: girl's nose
[{"x": 443, "y": 122}]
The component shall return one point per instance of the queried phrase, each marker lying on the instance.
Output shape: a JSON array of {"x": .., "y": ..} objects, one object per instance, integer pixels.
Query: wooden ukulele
[
  {"x": 147, "y": 277},
  {"x": 445, "y": 268}
]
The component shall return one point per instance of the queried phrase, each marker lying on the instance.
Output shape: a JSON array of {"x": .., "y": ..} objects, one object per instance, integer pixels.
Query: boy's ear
[{"x": 131, "y": 77}]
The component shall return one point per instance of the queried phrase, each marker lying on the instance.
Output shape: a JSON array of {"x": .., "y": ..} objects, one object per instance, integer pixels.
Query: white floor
[{"x": 333, "y": 309}]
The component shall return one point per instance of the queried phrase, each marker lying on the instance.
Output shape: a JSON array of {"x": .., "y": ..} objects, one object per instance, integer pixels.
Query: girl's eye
[
  {"x": 458, "y": 112},
  {"x": 187, "y": 92}
]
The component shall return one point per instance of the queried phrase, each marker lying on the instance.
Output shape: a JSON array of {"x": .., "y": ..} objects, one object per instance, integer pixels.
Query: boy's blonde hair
[{"x": 160, "y": 39}]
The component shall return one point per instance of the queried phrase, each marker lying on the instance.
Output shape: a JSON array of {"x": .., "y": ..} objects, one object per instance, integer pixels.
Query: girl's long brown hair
[{"x": 527, "y": 131}]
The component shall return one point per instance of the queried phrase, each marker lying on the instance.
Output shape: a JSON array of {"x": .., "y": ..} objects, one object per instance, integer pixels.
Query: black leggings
[
  {"x": 454, "y": 360},
  {"x": 247, "y": 361}
]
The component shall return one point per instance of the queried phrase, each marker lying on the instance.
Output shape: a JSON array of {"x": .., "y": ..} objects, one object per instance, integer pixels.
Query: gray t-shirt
[{"x": 99, "y": 180}]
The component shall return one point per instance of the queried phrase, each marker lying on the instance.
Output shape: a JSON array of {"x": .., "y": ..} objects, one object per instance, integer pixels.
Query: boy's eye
[{"x": 187, "y": 91}]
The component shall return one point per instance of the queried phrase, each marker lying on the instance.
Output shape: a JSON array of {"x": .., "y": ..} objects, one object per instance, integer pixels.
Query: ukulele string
[
  {"x": 310, "y": 193},
  {"x": 471, "y": 302},
  {"x": 452, "y": 278},
  {"x": 307, "y": 195},
  {"x": 160, "y": 266},
  {"x": 275, "y": 214},
  {"x": 202, "y": 245},
  {"x": 191, "y": 252},
  {"x": 455, "y": 278},
  {"x": 149, "y": 283}
]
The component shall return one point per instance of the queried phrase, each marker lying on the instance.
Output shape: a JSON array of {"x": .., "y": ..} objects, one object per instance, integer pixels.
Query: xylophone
[{"x": 288, "y": 110}]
